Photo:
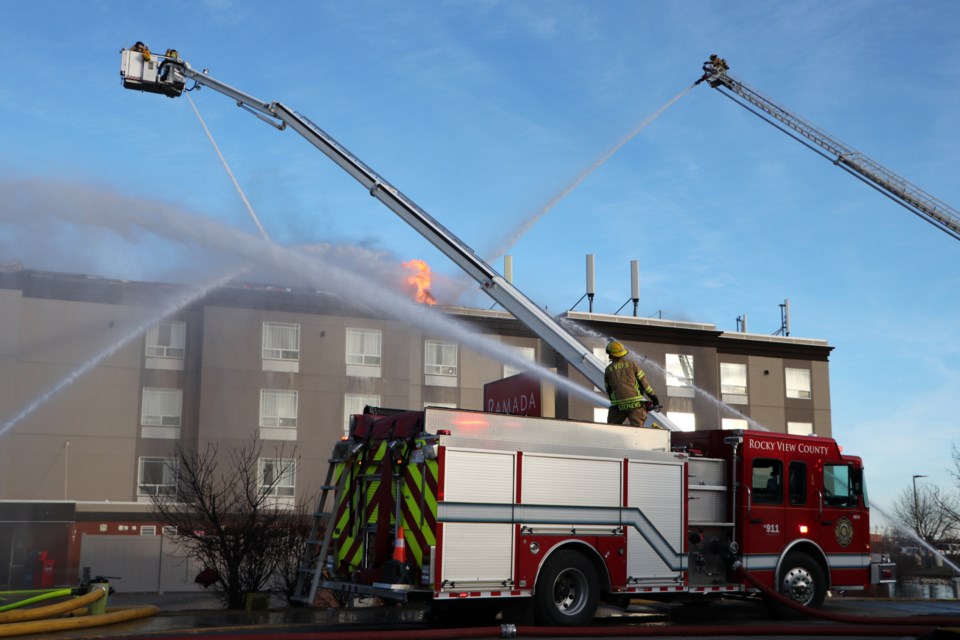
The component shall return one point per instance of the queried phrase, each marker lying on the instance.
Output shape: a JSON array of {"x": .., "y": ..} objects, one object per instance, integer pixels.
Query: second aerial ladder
[{"x": 909, "y": 196}]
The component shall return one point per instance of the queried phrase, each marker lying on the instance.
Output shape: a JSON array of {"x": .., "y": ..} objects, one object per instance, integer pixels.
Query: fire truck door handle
[
  {"x": 756, "y": 520},
  {"x": 827, "y": 523}
]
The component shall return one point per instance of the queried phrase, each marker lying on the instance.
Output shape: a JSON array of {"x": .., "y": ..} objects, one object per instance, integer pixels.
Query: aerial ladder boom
[
  {"x": 167, "y": 74},
  {"x": 909, "y": 196}
]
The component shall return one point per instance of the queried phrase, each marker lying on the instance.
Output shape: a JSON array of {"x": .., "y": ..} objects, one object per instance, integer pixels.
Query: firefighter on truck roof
[{"x": 626, "y": 383}]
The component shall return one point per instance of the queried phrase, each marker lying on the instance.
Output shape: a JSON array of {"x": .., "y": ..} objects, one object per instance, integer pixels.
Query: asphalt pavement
[{"x": 200, "y": 614}]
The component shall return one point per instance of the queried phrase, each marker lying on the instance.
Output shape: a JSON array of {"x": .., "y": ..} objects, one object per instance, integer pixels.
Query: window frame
[
  {"x": 734, "y": 393},
  {"x": 161, "y": 417},
  {"x": 798, "y": 392},
  {"x": 682, "y": 385},
  {"x": 169, "y": 468},
  {"x": 685, "y": 420},
  {"x": 176, "y": 331},
  {"x": 292, "y": 421},
  {"x": 443, "y": 348},
  {"x": 522, "y": 352},
  {"x": 279, "y": 353},
  {"x": 361, "y": 357},
  {"x": 277, "y": 489},
  {"x": 794, "y": 428}
]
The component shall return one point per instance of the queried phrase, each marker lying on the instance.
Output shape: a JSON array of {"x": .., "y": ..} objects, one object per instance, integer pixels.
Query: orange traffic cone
[{"x": 400, "y": 547}]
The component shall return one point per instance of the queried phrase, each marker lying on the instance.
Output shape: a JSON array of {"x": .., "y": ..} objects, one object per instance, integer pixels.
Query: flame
[{"x": 421, "y": 280}]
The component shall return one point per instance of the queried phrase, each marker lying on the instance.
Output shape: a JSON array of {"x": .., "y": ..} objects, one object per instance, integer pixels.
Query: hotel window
[
  {"x": 364, "y": 353},
  {"x": 160, "y": 413},
  {"x": 157, "y": 477},
  {"x": 278, "y": 414},
  {"x": 353, "y": 403},
  {"x": 683, "y": 420},
  {"x": 277, "y": 477},
  {"x": 733, "y": 382},
  {"x": 165, "y": 345},
  {"x": 524, "y": 353},
  {"x": 798, "y": 383},
  {"x": 440, "y": 363},
  {"x": 679, "y": 375},
  {"x": 733, "y": 423},
  {"x": 800, "y": 428},
  {"x": 281, "y": 347}
]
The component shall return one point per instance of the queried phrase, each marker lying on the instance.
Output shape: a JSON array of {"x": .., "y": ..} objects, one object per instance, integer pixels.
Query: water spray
[
  {"x": 175, "y": 304},
  {"x": 243, "y": 196},
  {"x": 525, "y": 225},
  {"x": 579, "y": 329}
]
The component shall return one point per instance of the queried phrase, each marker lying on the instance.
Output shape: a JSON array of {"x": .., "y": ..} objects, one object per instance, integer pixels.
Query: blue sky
[{"x": 483, "y": 111}]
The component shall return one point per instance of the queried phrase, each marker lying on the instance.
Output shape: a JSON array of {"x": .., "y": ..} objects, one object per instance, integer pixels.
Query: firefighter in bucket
[{"x": 626, "y": 383}]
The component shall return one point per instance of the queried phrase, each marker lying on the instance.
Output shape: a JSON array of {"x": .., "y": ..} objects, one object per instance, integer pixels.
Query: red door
[
  {"x": 763, "y": 515},
  {"x": 842, "y": 529}
]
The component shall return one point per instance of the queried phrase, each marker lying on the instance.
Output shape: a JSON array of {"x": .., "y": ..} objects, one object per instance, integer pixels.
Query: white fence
[{"x": 143, "y": 564}]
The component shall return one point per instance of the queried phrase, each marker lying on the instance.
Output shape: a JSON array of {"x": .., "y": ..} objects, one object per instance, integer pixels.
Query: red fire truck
[
  {"x": 515, "y": 510},
  {"x": 557, "y": 515}
]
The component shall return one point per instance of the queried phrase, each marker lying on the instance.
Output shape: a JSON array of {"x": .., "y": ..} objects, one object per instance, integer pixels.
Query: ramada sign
[{"x": 517, "y": 395}]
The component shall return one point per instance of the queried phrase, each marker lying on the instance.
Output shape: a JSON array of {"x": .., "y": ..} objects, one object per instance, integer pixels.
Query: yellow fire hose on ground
[{"x": 41, "y": 619}]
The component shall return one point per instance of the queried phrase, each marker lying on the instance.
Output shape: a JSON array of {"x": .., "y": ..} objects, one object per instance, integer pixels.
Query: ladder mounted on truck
[
  {"x": 317, "y": 545},
  {"x": 168, "y": 74},
  {"x": 907, "y": 195}
]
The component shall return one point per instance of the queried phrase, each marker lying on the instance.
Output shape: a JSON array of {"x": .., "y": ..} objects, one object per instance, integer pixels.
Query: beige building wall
[{"x": 85, "y": 443}]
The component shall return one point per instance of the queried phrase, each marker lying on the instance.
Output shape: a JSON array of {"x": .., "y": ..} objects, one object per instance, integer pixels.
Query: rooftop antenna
[
  {"x": 634, "y": 287},
  {"x": 591, "y": 288},
  {"x": 742, "y": 323},
  {"x": 784, "y": 329}
]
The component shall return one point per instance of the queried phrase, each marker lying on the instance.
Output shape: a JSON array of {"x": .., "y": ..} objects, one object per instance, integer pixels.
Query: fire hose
[
  {"x": 21, "y": 622},
  {"x": 852, "y": 625}
]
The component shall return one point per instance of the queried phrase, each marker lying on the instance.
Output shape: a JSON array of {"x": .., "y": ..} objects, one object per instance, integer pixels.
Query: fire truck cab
[{"x": 798, "y": 507}]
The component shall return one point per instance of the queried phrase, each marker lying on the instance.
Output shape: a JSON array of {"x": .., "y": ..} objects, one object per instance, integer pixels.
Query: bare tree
[
  {"x": 928, "y": 511},
  {"x": 231, "y": 513},
  {"x": 291, "y": 550}
]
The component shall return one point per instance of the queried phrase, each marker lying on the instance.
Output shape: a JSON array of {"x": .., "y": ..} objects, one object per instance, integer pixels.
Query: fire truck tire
[
  {"x": 802, "y": 580},
  {"x": 568, "y": 591}
]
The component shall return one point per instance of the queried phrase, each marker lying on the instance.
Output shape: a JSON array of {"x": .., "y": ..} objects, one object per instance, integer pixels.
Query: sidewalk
[{"x": 170, "y": 601}]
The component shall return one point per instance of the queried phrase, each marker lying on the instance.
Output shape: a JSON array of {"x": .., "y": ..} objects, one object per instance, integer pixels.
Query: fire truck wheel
[
  {"x": 568, "y": 590},
  {"x": 802, "y": 580}
]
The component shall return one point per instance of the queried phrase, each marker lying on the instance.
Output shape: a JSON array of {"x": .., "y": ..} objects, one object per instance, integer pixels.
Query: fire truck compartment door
[
  {"x": 478, "y": 552},
  {"x": 655, "y": 494}
]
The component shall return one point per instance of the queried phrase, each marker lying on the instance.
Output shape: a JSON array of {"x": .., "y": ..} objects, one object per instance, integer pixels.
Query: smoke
[
  {"x": 132, "y": 219},
  {"x": 74, "y": 228}
]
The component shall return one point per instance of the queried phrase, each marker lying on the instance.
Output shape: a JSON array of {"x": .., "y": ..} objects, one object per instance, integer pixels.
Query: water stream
[
  {"x": 172, "y": 306},
  {"x": 904, "y": 528},
  {"x": 527, "y": 223},
  {"x": 168, "y": 222},
  {"x": 576, "y": 328}
]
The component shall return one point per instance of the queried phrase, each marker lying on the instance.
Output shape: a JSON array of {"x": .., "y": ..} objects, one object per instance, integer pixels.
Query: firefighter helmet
[{"x": 616, "y": 349}]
